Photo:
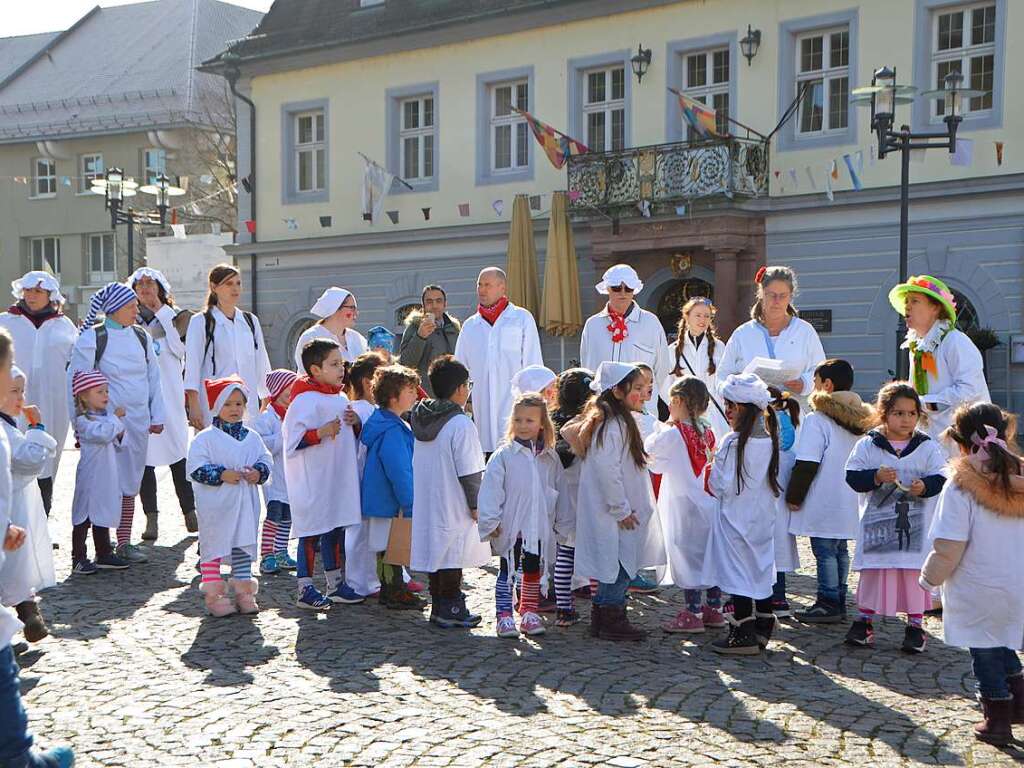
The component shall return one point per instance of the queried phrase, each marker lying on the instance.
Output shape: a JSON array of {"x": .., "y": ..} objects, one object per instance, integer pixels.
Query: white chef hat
[
  {"x": 609, "y": 374},
  {"x": 37, "y": 279},
  {"x": 153, "y": 274},
  {"x": 617, "y": 275},
  {"x": 533, "y": 378},
  {"x": 746, "y": 388},
  {"x": 329, "y": 301},
  {"x": 17, "y": 373}
]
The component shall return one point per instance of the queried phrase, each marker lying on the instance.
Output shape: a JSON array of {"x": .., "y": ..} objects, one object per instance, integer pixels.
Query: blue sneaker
[
  {"x": 312, "y": 600},
  {"x": 58, "y": 757},
  {"x": 345, "y": 594},
  {"x": 285, "y": 561},
  {"x": 642, "y": 585},
  {"x": 269, "y": 565}
]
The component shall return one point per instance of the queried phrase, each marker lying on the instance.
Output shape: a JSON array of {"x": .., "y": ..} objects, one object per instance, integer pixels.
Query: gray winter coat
[{"x": 415, "y": 352}]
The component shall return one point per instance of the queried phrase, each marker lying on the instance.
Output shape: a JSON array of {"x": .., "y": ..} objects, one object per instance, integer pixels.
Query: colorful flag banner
[
  {"x": 178, "y": 230},
  {"x": 556, "y": 145},
  {"x": 964, "y": 154},
  {"x": 250, "y": 226},
  {"x": 463, "y": 210},
  {"x": 700, "y": 117},
  {"x": 393, "y": 215},
  {"x": 498, "y": 206},
  {"x": 853, "y": 172},
  {"x": 999, "y": 152},
  {"x": 810, "y": 178},
  {"x": 535, "y": 201},
  {"x": 426, "y": 214}
]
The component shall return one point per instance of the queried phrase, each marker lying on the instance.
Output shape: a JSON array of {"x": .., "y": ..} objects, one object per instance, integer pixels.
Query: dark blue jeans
[
  {"x": 991, "y": 668},
  {"x": 833, "y": 559},
  {"x": 615, "y": 593},
  {"x": 15, "y": 740},
  {"x": 279, "y": 512}
]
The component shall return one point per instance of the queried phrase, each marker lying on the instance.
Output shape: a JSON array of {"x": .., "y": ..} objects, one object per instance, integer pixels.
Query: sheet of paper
[{"x": 774, "y": 372}]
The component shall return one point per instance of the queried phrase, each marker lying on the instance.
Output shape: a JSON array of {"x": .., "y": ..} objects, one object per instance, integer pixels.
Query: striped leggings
[
  {"x": 241, "y": 566},
  {"x": 331, "y": 546},
  {"x": 565, "y": 558}
]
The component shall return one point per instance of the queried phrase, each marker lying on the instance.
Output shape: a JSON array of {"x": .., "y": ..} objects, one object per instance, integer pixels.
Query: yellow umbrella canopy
[
  {"x": 521, "y": 266},
  {"x": 560, "y": 313}
]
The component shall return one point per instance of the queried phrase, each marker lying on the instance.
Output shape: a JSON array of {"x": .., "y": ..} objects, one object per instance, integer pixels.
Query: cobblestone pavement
[{"x": 136, "y": 675}]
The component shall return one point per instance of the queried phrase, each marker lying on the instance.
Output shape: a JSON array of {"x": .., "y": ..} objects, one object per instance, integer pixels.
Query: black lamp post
[
  {"x": 641, "y": 61},
  {"x": 882, "y": 96},
  {"x": 115, "y": 188},
  {"x": 750, "y": 44}
]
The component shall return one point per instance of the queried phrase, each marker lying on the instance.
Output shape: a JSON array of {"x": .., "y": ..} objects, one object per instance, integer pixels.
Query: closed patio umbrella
[
  {"x": 560, "y": 313},
  {"x": 521, "y": 265}
]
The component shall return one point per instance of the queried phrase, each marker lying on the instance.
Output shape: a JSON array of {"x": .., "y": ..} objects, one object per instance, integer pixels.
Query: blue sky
[{"x": 26, "y": 18}]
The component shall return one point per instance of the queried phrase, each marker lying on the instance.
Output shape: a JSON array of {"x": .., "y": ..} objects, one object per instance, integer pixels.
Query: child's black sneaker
[
  {"x": 822, "y": 612},
  {"x": 84, "y": 567},
  {"x": 565, "y": 617},
  {"x": 860, "y": 634},
  {"x": 113, "y": 562},
  {"x": 453, "y": 613},
  {"x": 914, "y": 640}
]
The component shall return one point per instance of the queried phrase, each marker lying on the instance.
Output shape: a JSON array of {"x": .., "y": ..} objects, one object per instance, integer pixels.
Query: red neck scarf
[
  {"x": 280, "y": 409},
  {"x": 493, "y": 312},
  {"x": 617, "y": 325},
  {"x": 697, "y": 446},
  {"x": 36, "y": 318},
  {"x": 306, "y": 384}
]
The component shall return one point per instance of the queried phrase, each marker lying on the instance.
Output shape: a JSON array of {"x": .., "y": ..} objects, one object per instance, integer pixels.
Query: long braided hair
[{"x": 680, "y": 367}]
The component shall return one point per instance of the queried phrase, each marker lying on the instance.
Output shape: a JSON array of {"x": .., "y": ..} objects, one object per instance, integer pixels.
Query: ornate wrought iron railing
[{"x": 668, "y": 174}]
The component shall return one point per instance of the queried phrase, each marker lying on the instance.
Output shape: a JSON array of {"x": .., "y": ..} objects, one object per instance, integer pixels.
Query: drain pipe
[{"x": 232, "y": 74}]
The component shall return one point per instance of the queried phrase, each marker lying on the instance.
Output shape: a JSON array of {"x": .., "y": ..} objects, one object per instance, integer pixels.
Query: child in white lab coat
[
  {"x": 277, "y": 525},
  {"x": 740, "y": 557},
  {"x": 226, "y": 462},
  {"x": 517, "y": 510}
]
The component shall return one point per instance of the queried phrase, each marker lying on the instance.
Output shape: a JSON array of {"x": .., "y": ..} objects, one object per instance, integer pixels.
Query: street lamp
[
  {"x": 115, "y": 188},
  {"x": 641, "y": 61},
  {"x": 883, "y": 96},
  {"x": 164, "y": 191},
  {"x": 750, "y": 44}
]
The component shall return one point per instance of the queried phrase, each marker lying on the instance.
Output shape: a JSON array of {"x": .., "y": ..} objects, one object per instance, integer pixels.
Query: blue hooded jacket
[{"x": 387, "y": 475}]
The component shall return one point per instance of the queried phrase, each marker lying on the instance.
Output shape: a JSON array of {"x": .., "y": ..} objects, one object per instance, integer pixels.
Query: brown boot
[
  {"x": 1016, "y": 683},
  {"x": 996, "y": 727},
  {"x": 35, "y": 628},
  {"x": 595, "y": 620},
  {"x": 615, "y": 625},
  {"x": 191, "y": 521},
  {"x": 150, "y": 533}
]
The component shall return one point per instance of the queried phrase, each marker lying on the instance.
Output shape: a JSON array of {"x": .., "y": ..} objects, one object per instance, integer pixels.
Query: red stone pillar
[{"x": 726, "y": 292}]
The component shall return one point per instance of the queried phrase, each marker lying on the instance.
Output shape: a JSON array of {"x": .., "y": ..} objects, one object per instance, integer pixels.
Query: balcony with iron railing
[{"x": 619, "y": 183}]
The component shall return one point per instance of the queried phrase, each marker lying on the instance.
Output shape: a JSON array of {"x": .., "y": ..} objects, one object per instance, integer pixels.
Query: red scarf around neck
[
  {"x": 617, "y": 325},
  {"x": 280, "y": 409},
  {"x": 493, "y": 312},
  {"x": 306, "y": 384}
]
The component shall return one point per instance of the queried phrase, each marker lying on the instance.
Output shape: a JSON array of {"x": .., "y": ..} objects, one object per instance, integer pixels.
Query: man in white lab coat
[
  {"x": 496, "y": 343},
  {"x": 622, "y": 332}
]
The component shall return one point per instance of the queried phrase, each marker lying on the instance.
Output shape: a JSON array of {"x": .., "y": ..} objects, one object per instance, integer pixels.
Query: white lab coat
[
  {"x": 830, "y": 509},
  {"x": 9, "y": 623},
  {"x": 443, "y": 533},
  {"x": 134, "y": 385},
  {"x": 698, "y": 360},
  {"x": 355, "y": 344},
  {"x": 97, "y": 487},
  {"x": 323, "y": 479},
  {"x": 171, "y": 445},
  {"x": 30, "y": 568},
  {"x": 229, "y": 514},
  {"x": 961, "y": 380},
  {"x": 645, "y": 343},
  {"x": 611, "y": 487},
  {"x": 684, "y": 508},
  {"x": 269, "y": 426},
  {"x": 43, "y": 354},
  {"x": 493, "y": 355},
  {"x": 740, "y": 557},
  {"x": 360, "y": 547},
  {"x": 787, "y": 556},
  {"x": 798, "y": 343},
  {"x": 518, "y": 492},
  {"x": 234, "y": 351}
]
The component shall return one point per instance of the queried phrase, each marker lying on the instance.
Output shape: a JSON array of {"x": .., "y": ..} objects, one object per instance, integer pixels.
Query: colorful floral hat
[{"x": 929, "y": 286}]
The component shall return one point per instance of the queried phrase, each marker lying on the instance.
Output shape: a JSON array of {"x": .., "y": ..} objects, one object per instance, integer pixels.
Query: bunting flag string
[{"x": 854, "y": 178}]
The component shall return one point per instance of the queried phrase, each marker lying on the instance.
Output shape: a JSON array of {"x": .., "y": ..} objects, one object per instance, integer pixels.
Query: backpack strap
[
  {"x": 140, "y": 334},
  {"x": 101, "y": 343},
  {"x": 252, "y": 327},
  {"x": 210, "y": 325}
]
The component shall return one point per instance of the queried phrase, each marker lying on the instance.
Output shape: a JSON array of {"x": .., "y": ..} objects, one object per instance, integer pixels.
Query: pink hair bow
[{"x": 980, "y": 449}]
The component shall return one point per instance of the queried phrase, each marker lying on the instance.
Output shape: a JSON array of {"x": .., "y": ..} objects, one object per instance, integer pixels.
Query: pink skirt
[{"x": 890, "y": 591}]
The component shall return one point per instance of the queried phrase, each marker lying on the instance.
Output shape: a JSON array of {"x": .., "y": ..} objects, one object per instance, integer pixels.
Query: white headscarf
[
  {"x": 330, "y": 301},
  {"x": 153, "y": 274},
  {"x": 618, "y": 275},
  {"x": 609, "y": 374},
  {"x": 746, "y": 388},
  {"x": 37, "y": 279}
]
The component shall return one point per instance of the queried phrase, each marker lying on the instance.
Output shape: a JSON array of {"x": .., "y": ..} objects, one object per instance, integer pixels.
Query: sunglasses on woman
[{"x": 620, "y": 289}]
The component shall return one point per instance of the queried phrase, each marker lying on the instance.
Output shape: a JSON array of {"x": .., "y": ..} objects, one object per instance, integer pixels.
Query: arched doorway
[{"x": 673, "y": 298}]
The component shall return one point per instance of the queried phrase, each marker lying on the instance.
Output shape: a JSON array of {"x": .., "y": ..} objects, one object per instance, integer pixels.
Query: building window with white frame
[
  {"x": 44, "y": 254},
  {"x": 964, "y": 41},
  {"x": 416, "y": 138},
  {"x": 604, "y": 108},
  {"x": 510, "y": 135},
  {"x": 90, "y": 168},
  {"x": 102, "y": 259},
  {"x": 823, "y": 69},
  {"x": 154, "y": 162},
  {"x": 44, "y": 177},
  {"x": 310, "y": 151},
  {"x": 706, "y": 79}
]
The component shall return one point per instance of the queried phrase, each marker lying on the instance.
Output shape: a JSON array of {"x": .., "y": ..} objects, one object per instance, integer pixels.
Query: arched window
[
  {"x": 966, "y": 314},
  {"x": 297, "y": 330},
  {"x": 670, "y": 305}
]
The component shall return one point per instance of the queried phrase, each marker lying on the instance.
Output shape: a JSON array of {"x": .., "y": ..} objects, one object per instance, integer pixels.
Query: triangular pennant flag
[
  {"x": 498, "y": 206},
  {"x": 535, "y": 202},
  {"x": 680, "y": 210},
  {"x": 645, "y": 208},
  {"x": 368, "y": 217},
  {"x": 792, "y": 176},
  {"x": 66, "y": 181},
  {"x": 917, "y": 155},
  {"x": 872, "y": 154},
  {"x": 250, "y": 226},
  {"x": 829, "y": 170},
  {"x": 858, "y": 159},
  {"x": 810, "y": 178},
  {"x": 964, "y": 154},
  {"x": 206, "y": 178},
  {"x": 178, "y": 230},
  {"x": 854, "y": 178},
  {"x": 196, "y": 210},
  {"x": 426, "y": 214},
  {"x": 291, "y": 223},
  {"x": 833, "y": 170},
  {"x": 393, "y": 215},
  {"x": 999, "y": 152},
  {"x": 752, "y": 184},
  {"x": 463, "y": 210},
  {"x": 574, "y": 195}
]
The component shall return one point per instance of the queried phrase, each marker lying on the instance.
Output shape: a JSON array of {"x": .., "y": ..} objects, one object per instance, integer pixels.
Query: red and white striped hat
[
  {"x": 83, "y": 380},
  {"x": 279, "y": 380},
  {"x": 219, "y": 390}
]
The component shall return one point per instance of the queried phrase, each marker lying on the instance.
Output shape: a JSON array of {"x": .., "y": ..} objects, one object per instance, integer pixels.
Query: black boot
[
  {"x": 741, "y": 640},
  {"x": 764, "y": 627},
  {"x": 995, "y": 728},
  {"x": 595, "y": 620}
]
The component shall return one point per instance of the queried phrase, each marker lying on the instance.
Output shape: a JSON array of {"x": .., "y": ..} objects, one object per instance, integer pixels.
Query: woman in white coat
[
  {"x": 338, "y": 313},
  {"x": 946, "y": 367},
  {"x": 223, "y": 340},
  {"x": 167, "y": 325},
  {"x": 43, "y": 338},
  {"x": 774, "y": 331},
  {"x": 697, "y": 351},
  {"x": 616, "y": 500}
]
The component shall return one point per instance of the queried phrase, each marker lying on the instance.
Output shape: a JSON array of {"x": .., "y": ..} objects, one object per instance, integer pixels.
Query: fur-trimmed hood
[
  {"x": 983, "y": 487},
  {"x": 845, "y": 409},
  {"x": 414, "y": 318}
]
